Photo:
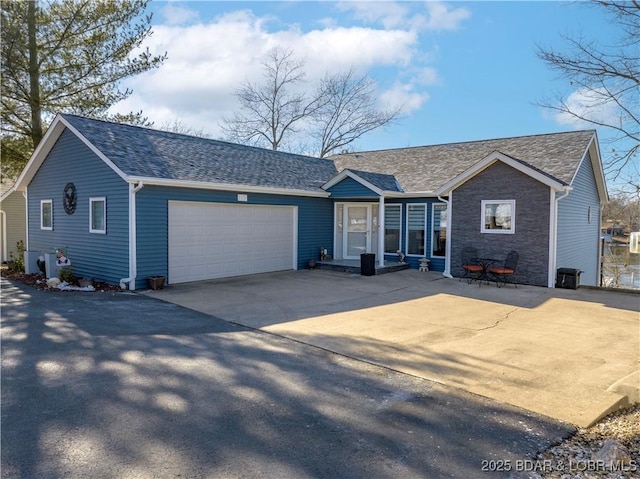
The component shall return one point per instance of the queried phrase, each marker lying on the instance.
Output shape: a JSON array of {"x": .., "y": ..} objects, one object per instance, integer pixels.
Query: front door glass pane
[{"x": 357, "y": 230}]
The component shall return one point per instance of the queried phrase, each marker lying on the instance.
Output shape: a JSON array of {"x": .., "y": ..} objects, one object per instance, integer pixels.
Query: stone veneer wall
[{"x": 531, "y": 238}]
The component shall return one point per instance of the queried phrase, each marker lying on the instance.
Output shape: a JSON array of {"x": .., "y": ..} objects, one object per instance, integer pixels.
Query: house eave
[
  {"x": 7, "y": 193},
  {"x": 410, "y": 194},
  {"x": 396, "y": 195},
  {"x": 203, "y": 185}
]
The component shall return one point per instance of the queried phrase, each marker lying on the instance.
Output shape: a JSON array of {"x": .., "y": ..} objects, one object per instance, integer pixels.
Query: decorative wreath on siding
[{"x": 69, "y": 198}]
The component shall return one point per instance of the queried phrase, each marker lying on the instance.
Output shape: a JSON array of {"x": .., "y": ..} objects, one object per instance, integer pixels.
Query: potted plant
[{"x": 156, "y": 282}]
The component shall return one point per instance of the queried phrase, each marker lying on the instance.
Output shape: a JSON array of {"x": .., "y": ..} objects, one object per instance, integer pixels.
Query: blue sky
[{"x": 461, "y": 70}]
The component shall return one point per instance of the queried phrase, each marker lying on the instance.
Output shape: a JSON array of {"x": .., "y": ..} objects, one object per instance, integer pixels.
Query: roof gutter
[
  {"x": 133, "y": 244},
  {"x": 410, "y": 194},
  {"x": 148, "y": 181}
]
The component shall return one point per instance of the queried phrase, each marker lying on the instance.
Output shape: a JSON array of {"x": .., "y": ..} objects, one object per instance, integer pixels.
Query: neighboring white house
[{"x": 13, "y": 223}]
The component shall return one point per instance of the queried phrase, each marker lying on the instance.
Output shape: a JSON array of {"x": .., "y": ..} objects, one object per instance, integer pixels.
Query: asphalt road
[{"x": 101, "y": 385}]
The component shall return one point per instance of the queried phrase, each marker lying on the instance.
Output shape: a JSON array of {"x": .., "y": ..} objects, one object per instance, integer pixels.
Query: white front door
[{"x": 357, "y": 231}]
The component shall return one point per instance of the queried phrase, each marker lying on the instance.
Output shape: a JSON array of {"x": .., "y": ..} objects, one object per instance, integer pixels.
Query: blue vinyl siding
[
  {"x": 104, "y": 257},
  {"x": 578, "y": 239},
  {"x": 350, "y": 188},
  {"x": 315, "y": 223}
]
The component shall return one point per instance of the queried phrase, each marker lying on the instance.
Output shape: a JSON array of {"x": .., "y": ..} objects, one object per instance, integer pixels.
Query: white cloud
[
  {"x": 596, "y": 105},
  {"x": 208, "y": 62},
  {"x": 389, "y": 14},
  {"x": 175, "y": 14},
  {"x": 361, "y": 48},
  {"x": 438, "y": 15},
  {"x": 428, "y": 76},
  {"x": 441, "y": 17},
  {"x": 404, "y": 95}
]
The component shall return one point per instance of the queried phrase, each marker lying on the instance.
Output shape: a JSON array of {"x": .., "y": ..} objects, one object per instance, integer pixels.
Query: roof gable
[
  {"x": 492, "y": 158},
  {"x": 377, "y": 183},
  {"x": 427, "y": 168}
]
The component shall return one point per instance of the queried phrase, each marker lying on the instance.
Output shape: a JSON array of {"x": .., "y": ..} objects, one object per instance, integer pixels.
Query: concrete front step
[{"x": 353, "y": 267}]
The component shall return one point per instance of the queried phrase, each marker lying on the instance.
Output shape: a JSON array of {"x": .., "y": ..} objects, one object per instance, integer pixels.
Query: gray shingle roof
[
  {"x": 142, "y": 152},
  {"x": 426, "y": 168},
  {"x": 383, "y": 181}
]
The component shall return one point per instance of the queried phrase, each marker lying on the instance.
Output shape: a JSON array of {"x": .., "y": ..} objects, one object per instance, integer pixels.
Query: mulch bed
[{"x": 38, "y": 281}]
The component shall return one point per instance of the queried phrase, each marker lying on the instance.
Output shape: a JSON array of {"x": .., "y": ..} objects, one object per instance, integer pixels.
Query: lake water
[{"x": 621, "y": 269}]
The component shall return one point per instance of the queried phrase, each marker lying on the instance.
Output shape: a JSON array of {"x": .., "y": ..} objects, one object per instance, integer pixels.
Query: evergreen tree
[{"x": 66, "y": 56}]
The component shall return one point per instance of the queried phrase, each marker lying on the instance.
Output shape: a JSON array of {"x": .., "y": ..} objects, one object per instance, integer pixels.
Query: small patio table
[{"x": 486, "y": 263}]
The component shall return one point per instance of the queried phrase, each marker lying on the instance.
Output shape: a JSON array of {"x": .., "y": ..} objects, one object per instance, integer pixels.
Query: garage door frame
[{"x": 294, "y": 239}]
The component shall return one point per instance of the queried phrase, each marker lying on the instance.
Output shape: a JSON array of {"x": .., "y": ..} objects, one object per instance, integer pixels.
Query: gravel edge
[{"x": 610, "y": 449}]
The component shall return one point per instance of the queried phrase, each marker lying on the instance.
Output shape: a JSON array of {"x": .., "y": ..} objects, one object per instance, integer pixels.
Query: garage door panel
[{"x": 214, "y": 240}]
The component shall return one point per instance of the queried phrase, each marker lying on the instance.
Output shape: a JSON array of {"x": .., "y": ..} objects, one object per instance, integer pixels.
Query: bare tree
[
  {"x": 279, "y": 112},
  {"x": 178, "y": 126},
  {"x": 272, "y": 108},
  {"x": 346, "y": 111},
  {"x": 605, "y": 77},
  {"x": 624, "y": 211}
]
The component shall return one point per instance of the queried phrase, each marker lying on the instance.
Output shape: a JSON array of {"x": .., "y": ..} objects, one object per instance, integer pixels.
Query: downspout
[
  {"x": 26, "y": 214},
  {"x": 447, "y": 258},
  {"x": 381, "y": 233},
  {"x": 133, "y": 263},
  {"x": 600, "y": 247},
  {"x": 553, "y": 234}
]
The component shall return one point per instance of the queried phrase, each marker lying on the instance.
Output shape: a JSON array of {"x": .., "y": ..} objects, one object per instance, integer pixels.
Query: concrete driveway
[
  {"x": 568, "y": 354},
  {"x": 105, "y": 386}
]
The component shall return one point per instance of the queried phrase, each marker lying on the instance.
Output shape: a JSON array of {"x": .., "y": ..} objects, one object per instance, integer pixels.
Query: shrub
[
  {"x": 66, "y": 274},
  {"x": 17, "y": 258}
]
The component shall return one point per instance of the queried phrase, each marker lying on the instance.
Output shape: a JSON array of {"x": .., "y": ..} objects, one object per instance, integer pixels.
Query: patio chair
[
  {"x": 472, "y": 269},
  {"x": 504, "y": 274}
]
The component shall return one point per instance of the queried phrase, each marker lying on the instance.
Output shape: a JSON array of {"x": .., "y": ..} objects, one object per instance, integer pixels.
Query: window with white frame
[
  {"x": 46, "y": 215},
  {"x": 416, "y": 227},
  {"x": 392, "y": 221},
  {"x": 439, "y": 230},
  {"x": 98, "y": 215},
  {"x": 498, "y": 216}
]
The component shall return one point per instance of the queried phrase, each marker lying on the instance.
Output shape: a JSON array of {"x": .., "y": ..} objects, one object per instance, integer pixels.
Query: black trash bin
[
  {"x": 568, "y": 278},
  {"x": 367, "y": 264}
]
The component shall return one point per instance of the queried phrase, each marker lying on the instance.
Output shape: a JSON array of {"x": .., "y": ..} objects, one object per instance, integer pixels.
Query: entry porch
[{"x": 353, "y": 266}]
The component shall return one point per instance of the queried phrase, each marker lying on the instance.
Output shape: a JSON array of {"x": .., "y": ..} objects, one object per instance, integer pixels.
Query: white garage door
[{"x": 214, "y": 240}]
